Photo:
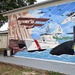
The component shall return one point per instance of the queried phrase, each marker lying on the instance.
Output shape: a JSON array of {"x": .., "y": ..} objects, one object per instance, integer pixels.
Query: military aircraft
[{"x": 71, "y": 17}]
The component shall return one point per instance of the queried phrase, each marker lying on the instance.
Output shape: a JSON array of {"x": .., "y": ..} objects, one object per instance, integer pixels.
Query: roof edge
[{"x": 36, "y": 5}]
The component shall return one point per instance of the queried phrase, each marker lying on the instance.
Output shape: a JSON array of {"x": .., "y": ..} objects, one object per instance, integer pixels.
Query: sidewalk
[{"x": 66, "y": 68}]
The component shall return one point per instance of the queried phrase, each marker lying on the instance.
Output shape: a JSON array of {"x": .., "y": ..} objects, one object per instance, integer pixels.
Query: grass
[{"x": 11, "y": 69}]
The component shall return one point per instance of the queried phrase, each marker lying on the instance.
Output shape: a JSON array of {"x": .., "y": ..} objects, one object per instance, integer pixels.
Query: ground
[{"x": 11, "y": 69}]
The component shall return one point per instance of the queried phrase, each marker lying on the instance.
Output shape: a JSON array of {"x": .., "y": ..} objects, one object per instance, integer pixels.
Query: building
[
  {"x": 3, "y": 39},
  {"x": 20, "y": 16},
  {"x": 21, "y": 20}
]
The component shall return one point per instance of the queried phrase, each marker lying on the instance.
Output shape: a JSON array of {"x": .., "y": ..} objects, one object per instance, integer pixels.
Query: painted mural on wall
[{"x": 49, "y": 30}]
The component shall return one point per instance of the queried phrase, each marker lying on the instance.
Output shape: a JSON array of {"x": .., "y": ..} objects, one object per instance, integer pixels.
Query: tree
[
  {"x": 30, "y": 1},
  {"x": 6, "y": 5}
]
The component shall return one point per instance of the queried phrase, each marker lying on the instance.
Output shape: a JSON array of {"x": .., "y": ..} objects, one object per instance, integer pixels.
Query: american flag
[{"x": 11, "y": 22}]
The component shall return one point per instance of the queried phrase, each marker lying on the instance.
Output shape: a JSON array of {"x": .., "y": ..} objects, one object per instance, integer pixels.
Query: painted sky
[{"x": 56, "y": 14}]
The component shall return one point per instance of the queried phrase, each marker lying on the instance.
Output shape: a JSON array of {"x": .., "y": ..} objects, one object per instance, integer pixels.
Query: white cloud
[
  {"x": 4, "y": 27},
  {"x": 38, "y": 1}
]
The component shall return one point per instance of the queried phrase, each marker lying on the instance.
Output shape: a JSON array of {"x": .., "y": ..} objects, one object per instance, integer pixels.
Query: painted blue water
[{"x": 46, "y": 55}]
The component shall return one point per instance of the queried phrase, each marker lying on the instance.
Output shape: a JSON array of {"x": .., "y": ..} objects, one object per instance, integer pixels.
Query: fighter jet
[{"x": 70, "y": 18}]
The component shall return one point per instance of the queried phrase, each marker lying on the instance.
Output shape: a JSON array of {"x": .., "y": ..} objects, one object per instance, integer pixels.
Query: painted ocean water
[{"x": 46, "y": 55}]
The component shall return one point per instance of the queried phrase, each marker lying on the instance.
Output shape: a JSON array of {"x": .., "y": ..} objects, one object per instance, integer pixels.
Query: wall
[
  {"x": 31, "y": 22},
  {"x": 3, "y": 40}
]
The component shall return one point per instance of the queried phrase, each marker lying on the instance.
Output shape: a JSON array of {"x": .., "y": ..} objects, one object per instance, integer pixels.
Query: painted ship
[{"x": 46, "y": 41}]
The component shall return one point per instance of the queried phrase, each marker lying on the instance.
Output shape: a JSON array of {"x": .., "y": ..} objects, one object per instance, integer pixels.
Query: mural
[{"x": 44, "y": 33}]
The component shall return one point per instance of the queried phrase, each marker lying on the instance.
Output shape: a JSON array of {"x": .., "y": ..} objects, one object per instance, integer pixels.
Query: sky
[
  {"x": 40, "y": 1},
  {"x": 5, "y": 26}
]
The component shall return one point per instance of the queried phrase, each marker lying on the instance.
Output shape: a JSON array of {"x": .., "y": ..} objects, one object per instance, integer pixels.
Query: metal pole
[{"x": 74, "y": 33}]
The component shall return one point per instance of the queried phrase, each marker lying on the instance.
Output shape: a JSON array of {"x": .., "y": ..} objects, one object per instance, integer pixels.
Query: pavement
[{"x": 66, "y": 68}]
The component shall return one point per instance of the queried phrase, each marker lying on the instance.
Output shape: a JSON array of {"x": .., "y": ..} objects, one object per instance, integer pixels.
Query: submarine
[{"x": 67, "y": 47}]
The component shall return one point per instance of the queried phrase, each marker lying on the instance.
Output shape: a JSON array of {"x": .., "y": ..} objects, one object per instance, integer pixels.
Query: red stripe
[{"x": 37, "y": 44}]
